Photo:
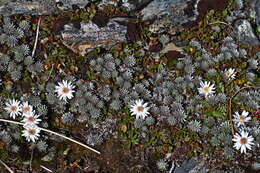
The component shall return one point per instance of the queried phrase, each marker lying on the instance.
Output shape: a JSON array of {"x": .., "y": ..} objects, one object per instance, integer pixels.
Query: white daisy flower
[
  {"x": 65, "y": 90},
  {"x": 139, "y": 109},
  {"x": 31, "y": 133},
  {"x": 243, "y": 142},
  {"x": 13, "y": 108},
  {"x": 31, "y": 119},
  {"x": 206, "y": 88},
  {"x": 26, "y": 108},
  {"x": 241, "y": 119},
  {"x": 230, "y": 73}
]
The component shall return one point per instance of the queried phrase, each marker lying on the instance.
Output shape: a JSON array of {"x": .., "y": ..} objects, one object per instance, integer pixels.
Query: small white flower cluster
[
  {"x": 30, "y": 118},
  {"x": 208, "y": 90},
  {"x": 64, "y": 90},
  {"x": 242, "y": 140}
]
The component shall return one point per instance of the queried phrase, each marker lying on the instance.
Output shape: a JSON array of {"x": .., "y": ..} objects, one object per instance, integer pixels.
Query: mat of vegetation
[{"x": 129, "y": 86}]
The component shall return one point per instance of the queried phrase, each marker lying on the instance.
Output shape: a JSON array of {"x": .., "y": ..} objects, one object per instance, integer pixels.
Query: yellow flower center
[
  {"x": 243, "y": 141},
  {"x": 206, "y": 89},
  {"x": 140, "y": 108}
]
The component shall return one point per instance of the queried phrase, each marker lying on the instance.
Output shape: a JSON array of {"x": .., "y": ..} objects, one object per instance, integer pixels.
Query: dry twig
[
  {"x": 46, "y": 169},
  {"x": 55, "y": 133},
  {"x": 9, "y": 169},
  {"x": 36, "y": 37}
]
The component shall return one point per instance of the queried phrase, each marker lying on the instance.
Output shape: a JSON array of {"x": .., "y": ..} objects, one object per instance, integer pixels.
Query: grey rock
[
  {"x": 69, "y": 4},
  {"x": 186, "y": 166},
  {"x": 34, "y": 7},
  {"x": 90, "y": 36},
  {"x": 169, "y": 13},
  {"x": 128, "y": 5},
  {"x": 255, "y": 10},
  {"x": 39, "y": 7},
  {"x": 244, "y": 33}
]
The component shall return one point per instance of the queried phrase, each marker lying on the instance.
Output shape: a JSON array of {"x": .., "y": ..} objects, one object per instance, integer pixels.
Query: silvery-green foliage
[
  {"x": 24, "y": 25},
  {"x": 51, "y": 98},
  {"x": 212, "y": 72},
  {"x": 139, "y": 123},
  {"x": 252, "y": 64},
  {"x": 212, "y": 100},
  {"x": 15, "y": 148},
  {"x": 171, "y": 120},
  {"x": 5, "y": 137},
  {"x": 180, "y": 115},
  {"x": 229, "y": 153},
  {"x": 42, "y": 109},
  {"x": 129, "y": 61},
  {"x": 196, "y": 44},
  {"x": 221, "y": 98},
  {"x": 162, "y": 165},
  {"x": 165, "y": 110},
  {"x": 28, "y": 60},
  {"x": 250, "y": 76},
  {"x": 214, "y": 141},
  {"x": 50, "y": 87},
  {"x": 258, "y": 54},
  {"x": 116, "y": 105},
  {"x": 95, "y": 113},
  {"x": 239, "y": 3},
  {"x": 194, "y": 126},
  {"x": 16, "y": 75},
  {"x": 67, "y": 118},
  {"x": 226, "y": 139},
  {"x": 38, "y": 67},
  {"x": 60, "y": 107},
  {"x": 4, "y": 59},
  {"x": 205, "y": 130},
  {"x": 42, "y": 146},
  {"x": 224, "y": 127},
  {"x": 242, "y": 52},
  {"x": 82, "y": 118},
  {"x": 179, "y": 65},
  {"x": 149, "y": 121},
  {"x": 164, "y": 39},
  {"x": 94, "y": 139},
  {"x": 250, "y": 98},
  {"x": 34, "y": 100},
  {"x": 49, "y": 157}
]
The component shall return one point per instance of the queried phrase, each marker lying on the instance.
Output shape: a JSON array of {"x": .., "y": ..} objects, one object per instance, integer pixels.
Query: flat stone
[
  {"x": 71, "y": 4},
  {"x": 169, "y": 13},
  {"x": 255, "y": 10},
  {"x": 39, "y": 7},
  {"x": 34, "y": 7},
  {"x": 244, "y": 33},
  {"x": 90, "y": 36},
  {"x": 128, "y": 5},
  {"x": 186, "y": 166}
]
